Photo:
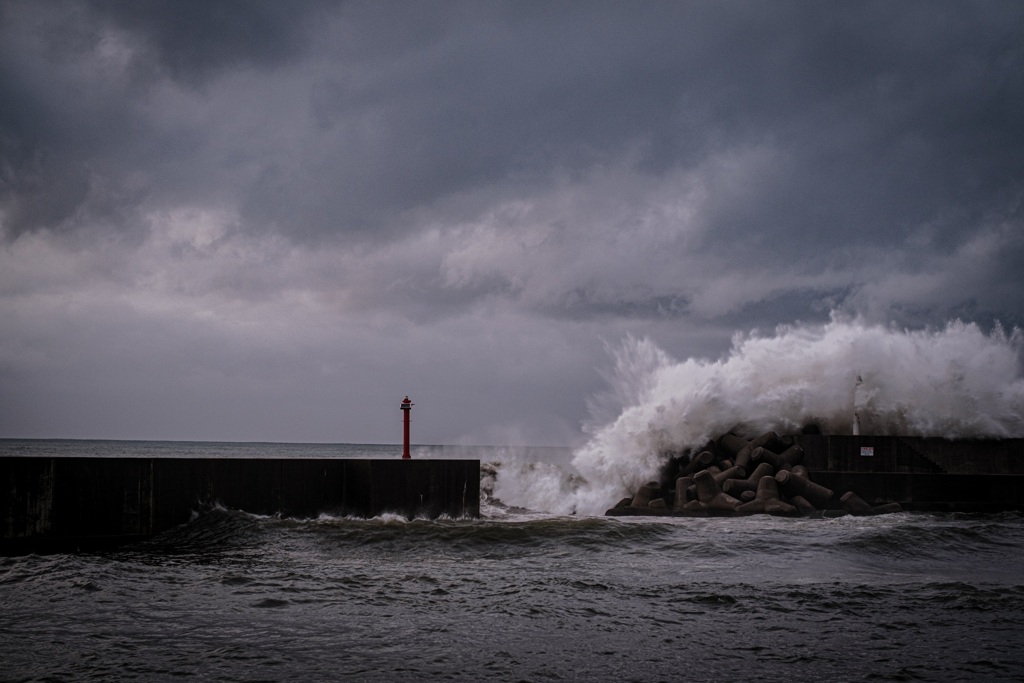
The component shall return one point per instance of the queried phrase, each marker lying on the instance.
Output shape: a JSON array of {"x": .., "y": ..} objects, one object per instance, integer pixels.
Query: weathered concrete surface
[{"x": 60, "y": 503}]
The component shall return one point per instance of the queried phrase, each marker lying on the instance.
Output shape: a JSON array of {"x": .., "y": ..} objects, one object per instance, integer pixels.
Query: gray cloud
[
  {"x": 567, "y": 172},
  {"x": 194, "y": 39}
]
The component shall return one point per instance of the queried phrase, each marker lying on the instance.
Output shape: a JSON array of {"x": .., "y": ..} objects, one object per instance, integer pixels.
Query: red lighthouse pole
[{"x": 407, "y": 409}]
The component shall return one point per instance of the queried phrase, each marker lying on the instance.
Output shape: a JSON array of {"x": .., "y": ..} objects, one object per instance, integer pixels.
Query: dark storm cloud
[
  {"x": 886, "y": 118},
  {"x": 194, "y": 39},
  {"x": 445, "y": 172},
  {"x": 76, "y": 145}
]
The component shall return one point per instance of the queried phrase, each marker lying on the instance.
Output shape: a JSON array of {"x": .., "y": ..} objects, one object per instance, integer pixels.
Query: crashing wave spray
[{"x": 954, "y": 382}]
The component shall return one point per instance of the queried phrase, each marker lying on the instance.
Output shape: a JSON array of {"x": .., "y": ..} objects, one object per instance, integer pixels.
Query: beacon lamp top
[{"x": 407, "y": 404}]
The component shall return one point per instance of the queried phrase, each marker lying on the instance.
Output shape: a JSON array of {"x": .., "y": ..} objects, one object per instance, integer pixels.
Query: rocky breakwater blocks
[
  {"x": 736, "y": 487},
  {"x": 855, "y": 505},
  {"x": 769, "y": 440},
  {"x": 710, "y": 497},
  {"x": 767, "y": 500},
  {"x": 701, "y": 461},
  {"x": 645, "y": 495},
  {"x": 683, "y": 486},
  {"x": 819, "y": 496},
  {"x": 734, "y": 472},
  {"x": 715, "y": 481},
  {"x": 787, "y": 459},
  {"x": 649, "y": 499}
]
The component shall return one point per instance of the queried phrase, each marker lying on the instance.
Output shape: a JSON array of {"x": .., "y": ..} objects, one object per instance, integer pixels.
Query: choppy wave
[
  {"x": 232, "y": 596},
  {"x": 906, "y": 538}
]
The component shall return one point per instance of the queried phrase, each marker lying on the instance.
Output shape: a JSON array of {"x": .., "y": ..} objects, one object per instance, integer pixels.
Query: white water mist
[{"x": 953, "y": 382}]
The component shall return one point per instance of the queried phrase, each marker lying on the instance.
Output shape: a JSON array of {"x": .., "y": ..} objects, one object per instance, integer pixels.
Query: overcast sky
[{"x": 273, "y": 220}]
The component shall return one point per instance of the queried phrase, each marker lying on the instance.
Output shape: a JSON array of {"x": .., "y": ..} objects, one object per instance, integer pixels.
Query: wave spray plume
[{"x": 957, "y": 382}]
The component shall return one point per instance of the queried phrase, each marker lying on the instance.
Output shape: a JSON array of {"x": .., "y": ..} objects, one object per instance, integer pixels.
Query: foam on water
[{"x": 954, "y": 382}]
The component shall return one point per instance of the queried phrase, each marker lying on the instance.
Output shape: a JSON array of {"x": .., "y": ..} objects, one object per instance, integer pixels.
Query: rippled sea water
[
  {"x": 526, "y": 597},
  {"x": 519, "y": 596}
]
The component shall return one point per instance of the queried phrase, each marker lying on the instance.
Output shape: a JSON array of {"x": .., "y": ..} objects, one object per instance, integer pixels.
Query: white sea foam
[
  {"x": 953, "y": 382},
  {"x": 539, "y": 486}
]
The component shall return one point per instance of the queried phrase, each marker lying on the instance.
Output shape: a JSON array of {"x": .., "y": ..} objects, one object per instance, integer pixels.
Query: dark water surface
[
  {"x": 518, "y": 596},
  {"x": 234, "y": 597}
]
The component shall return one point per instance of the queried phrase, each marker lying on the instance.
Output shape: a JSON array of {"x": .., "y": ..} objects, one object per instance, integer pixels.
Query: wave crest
[{"x": 956, "y": 382}]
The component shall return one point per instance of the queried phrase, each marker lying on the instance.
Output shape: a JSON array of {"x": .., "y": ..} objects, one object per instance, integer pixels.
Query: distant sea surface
[
  {"x": 517, "y": 595},
  {"x": 259, "y": 449}
]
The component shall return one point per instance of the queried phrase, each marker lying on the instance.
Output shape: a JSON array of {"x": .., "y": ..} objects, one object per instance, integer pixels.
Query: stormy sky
[{"x": 228, "y": 220}]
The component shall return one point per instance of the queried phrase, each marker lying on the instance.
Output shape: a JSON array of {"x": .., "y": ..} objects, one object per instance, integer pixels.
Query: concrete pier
[
  {"x": 927, "y": 474},
  {"x": 79, "y": 503}
]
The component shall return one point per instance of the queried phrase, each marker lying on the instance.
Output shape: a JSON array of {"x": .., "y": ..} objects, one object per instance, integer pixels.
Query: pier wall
[
  {"x": 920, "y": 473},
  {"x": 911, "y": 454},
  {"x": 57, "y": 503},
  {"x": 930, "y": 492}
]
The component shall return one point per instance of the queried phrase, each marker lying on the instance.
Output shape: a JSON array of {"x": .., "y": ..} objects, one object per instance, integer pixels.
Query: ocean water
[{"x": 519, "y": 594}]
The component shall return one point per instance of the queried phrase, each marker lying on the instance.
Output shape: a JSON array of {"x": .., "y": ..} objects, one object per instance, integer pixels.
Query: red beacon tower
[{"x": 407, "y": 410}]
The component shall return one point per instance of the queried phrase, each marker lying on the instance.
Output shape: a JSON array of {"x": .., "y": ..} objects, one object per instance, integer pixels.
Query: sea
[{"x": 518, "y": 594}]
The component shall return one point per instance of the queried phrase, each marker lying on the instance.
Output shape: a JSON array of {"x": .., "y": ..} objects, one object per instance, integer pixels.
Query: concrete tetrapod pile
[{"x": 734, "y": 476}]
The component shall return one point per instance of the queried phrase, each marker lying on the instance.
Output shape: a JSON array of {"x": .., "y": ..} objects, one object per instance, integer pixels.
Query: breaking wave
[{"x": 955, "y": 382}]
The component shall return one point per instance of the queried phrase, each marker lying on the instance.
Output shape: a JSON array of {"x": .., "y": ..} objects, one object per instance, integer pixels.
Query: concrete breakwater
[
  {"x": 59, "y": 503},
  {"x": 813, "y": 474}
]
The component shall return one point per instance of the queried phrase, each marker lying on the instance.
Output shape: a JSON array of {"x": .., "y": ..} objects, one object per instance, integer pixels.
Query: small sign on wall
[{"x": 867, "y": 451}]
